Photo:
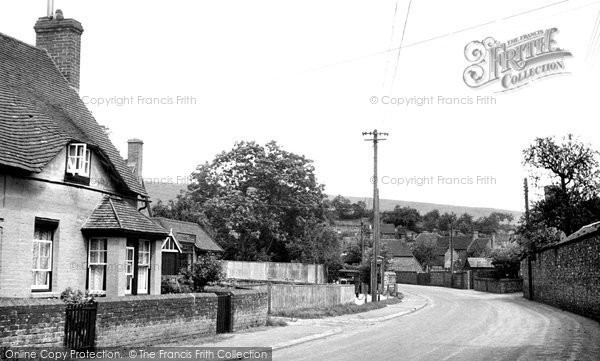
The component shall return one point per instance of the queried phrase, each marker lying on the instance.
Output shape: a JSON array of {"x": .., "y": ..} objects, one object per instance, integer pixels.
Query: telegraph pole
[
  {"x": 376, "y": 230},
  {"x": 451, "y": 255}
]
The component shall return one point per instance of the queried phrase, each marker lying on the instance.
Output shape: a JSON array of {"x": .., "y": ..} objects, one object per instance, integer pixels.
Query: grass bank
[{"x": 338, "y": 310}]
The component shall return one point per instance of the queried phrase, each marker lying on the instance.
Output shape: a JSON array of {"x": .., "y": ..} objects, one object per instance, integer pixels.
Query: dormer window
[{"x": 78, "y": 160}]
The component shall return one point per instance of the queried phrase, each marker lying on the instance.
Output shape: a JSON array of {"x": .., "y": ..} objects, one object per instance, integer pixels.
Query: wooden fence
[
  {"x": 285, "y": 297},
  {"x": 277, "y": 272}
]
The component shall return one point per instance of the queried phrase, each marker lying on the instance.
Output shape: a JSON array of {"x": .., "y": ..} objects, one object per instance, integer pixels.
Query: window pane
[
  {"x": 96, "y": 278},
  {"x": 142, "y": 279},
  {"x": 40, "y": 278}
]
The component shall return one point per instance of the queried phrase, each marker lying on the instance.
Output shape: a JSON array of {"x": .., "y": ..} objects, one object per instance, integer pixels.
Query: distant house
[
  {"x": 388, "y": 231},
  {"x": 401, "y": 257},
  {"x": 459, "y": 249},
  {"x": 186, "y": 241}
]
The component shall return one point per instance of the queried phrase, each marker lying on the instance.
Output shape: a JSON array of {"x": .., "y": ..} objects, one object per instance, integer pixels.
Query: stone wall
[
  {"x": 567, "y": 275},
  {"x": 124, "y": 321},
  {"x": 31, "y": 322},
  {"x": 435, "y": 278},
  {"x": 497, "y": 285}
]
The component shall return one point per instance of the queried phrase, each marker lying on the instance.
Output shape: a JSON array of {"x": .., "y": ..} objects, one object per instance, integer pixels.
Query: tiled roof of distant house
[
  {"x": 116, "y": 216},
  {"x": 40, "y": 114},
  {"x": 398, "y": 248},
  {"x": 479, "y": 245},
  {"x": 427, "y": 236},
  {"x": 189, "y": 232},
  {"x": 388, "y": 228},
  {"x": 459, "y": 243},
  {"x": 479, "y": 262}
]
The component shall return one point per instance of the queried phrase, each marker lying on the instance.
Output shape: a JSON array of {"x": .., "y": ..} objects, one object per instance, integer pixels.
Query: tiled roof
[
  {"x": 427, "y": 236},
  {"x": 398, "y": 248},
  {"x": 479, "y": 262},
  {"x": 114, "y": 215},
  {"x": 479, "y": 244},
  {"x": 405, "y": 264},
  {"x": 40, "y": 113},
  {"x": 458, "y": 242},
  {"x": 388, "y": 228},
  {"x": 183, "y": 230}
]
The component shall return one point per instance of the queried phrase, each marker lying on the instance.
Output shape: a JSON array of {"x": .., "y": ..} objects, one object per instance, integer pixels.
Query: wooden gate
[
  {"x": 80, "y": 326},
  {"x": 224, "y": 313}
]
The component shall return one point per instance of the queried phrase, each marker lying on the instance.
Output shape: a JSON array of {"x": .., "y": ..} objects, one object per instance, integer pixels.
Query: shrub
[
  {"x": 174, "y": 285},
  {"x": 207, "y": 270},
  {"x": 76, "y": 297}
]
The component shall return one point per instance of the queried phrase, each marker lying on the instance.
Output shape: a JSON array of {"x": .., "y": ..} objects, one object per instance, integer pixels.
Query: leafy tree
[
  {"x": 261, "y": 203},
  {"x": 572, "y": 197},
  {"x": 447, "y": 221},
  {"x": 406, "y": 217},
  {"x": 493, "y": 222},
  {"x": 425, "y": 251},
  {"x": 507, "y": 259},
  {"x": 353, "y": 254},
  {"x": 465, "y": 223},
  {"x": 431, "y": 220}
]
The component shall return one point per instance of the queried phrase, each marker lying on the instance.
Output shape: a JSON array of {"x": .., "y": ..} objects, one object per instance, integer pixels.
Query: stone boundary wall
[
  {"x": 498, "y": 285},
  {"x": 567, "y": 275}
]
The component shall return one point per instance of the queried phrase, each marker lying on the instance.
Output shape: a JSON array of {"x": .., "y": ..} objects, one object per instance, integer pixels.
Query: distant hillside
[
  {"x": 476, "y": 212},
  {"x": 168, "y": 191}
]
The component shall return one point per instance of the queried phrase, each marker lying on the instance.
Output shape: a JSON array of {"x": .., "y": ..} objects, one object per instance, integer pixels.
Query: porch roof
[{"x": 115, "y": 216}]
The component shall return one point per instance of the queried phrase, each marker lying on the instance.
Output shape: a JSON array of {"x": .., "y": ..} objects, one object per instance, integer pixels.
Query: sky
[{"x": 313, "y": 75}]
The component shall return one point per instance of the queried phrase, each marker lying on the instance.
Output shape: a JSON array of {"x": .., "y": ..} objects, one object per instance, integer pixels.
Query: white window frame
[
  {"x": 78, "y": 163},
  {"x": 129, "y": 264},
  {"x": 142, "y": 283},
  {"x": 92, "y": 264},
  {"x": 34, "y": 269}
]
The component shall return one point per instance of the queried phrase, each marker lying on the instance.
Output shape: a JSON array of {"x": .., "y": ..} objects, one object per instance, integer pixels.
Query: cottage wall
[{"x": 22, "y": 200}]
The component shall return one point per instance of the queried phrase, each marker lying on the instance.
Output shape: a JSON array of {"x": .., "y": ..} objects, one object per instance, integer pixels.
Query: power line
[
  {"x": 387, "y": 63},
  {"x": 594, "y": 40},
  {"x": 400, "y": 47},
  {"x": 443, "y": 35}
]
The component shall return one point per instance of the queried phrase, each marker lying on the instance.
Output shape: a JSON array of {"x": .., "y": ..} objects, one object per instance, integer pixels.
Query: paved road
[{"x": 462, "y": 325}]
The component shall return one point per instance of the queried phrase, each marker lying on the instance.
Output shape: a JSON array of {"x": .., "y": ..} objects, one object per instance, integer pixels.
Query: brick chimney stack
[
  {"x": 62, "y": 39},
  {"x": 135, "y": 156}
]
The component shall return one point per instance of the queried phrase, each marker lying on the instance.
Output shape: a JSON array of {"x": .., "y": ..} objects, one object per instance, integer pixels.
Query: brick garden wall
[
  {"x": 567, "y": 276},
  {"x": 124, "y": 321},
  {"x": 250, "y": 309},
  {"x": 29, "y": 322}
]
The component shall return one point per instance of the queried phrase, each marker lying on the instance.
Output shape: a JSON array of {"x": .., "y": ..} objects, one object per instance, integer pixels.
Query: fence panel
[{"x": 273, "y": 271}]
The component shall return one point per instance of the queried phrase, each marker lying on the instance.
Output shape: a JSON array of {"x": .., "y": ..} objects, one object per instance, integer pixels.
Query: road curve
[{"x": 462, "y": 325}]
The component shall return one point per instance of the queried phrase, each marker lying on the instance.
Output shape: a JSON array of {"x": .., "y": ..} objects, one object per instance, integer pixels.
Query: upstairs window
[{"x": 78, "y": 160}]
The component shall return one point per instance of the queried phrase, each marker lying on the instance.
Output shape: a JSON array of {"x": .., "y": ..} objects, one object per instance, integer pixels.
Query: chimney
[
  {"x": 61, "y": 38},
  {"x": 135, "y": 156},
  {"x": 475, "y": 234}
]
